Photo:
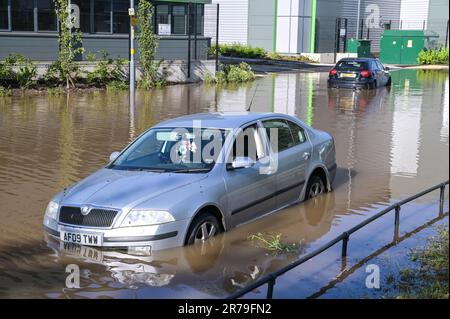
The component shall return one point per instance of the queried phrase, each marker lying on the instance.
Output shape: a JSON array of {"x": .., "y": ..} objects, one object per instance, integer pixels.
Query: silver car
[{"x": 187, "y": 179}]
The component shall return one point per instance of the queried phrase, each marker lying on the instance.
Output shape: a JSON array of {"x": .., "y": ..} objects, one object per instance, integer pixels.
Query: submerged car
[
  {"x": 187, "y": 179},
  {"x": 359, "y": 73}
]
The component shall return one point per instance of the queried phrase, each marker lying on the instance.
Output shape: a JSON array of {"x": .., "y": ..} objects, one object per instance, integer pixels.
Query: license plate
[
  {"x": 81, "y": 238},
  {"x": 348, "y": 75}
]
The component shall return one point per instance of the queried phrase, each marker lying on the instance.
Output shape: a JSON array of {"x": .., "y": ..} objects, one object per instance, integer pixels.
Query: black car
[{"x": 359, "y": 73}]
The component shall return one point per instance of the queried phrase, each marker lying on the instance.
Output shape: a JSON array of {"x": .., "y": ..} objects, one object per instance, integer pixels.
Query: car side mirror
[
  {"x": 113, "y": 156},
  {"x": 242, "y": 162},
  {"x": 386, "y": 68}
]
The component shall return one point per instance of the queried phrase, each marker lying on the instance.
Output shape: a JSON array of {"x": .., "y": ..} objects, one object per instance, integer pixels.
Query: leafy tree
[
  {"x": 69, "y": 45},
  {"x": 148, "y": 44}
]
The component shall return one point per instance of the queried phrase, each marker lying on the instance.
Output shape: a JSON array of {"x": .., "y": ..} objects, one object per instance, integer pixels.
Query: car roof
[
  {"x": 229, "y": 120},
  {"x": 357, "y": 59}
]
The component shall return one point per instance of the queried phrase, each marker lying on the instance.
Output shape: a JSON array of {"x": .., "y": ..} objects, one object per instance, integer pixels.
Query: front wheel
[
  {"x": 315, "y": 188},
  {"x": 204, "y": 227}
]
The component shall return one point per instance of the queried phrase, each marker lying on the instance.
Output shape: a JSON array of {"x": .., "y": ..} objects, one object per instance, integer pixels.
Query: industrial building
[
  {"x": 309, "y": 26},
  {"x": 30, "y": 27}
]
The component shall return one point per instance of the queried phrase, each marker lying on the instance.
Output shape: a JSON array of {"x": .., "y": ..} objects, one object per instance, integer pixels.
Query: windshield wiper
[
  {"x": 143, "y": 169},
  {"x": 191, "y": 170}
]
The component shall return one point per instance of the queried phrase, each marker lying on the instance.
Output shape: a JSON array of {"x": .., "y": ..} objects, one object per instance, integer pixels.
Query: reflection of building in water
[
  {"x": 420, "y": 118},
  {"x": 445, "y": 114},
  {"x": 406, "y": 131}
]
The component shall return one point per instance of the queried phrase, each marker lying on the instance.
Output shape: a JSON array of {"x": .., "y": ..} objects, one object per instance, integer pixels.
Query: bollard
[
  {"x": 441, "y": 200},
  {"x": 344, "y": 244},
  {"x": 397, "y": 223},
  {"x": 270, "y": 284}
]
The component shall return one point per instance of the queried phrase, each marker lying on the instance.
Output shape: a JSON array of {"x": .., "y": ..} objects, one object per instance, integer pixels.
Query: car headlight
[
  {"x": 147, "y": 218},
  {"x": 52, "y": 210}
]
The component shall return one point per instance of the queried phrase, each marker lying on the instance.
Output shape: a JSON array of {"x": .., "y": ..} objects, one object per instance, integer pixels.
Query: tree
[
  {"x": 69, "y": 44},
  {"x": 148, "y": 44}
]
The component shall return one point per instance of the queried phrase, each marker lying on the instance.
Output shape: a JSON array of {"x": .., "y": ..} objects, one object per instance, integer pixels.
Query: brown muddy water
[{"x": 391, "y": 143}]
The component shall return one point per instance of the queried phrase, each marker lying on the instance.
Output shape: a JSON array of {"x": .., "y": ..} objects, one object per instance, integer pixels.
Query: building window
[
  {"x": 22, "y": 15},
  {"x": 85, "y": 14},
  {"x": 163, "y": 25},
  {"x": 199, "y": 26},
  {"x": 120, "y": 16},
  {"x": 4, "y": 15},
  {"x": 179, "y": 19},
  {"x": 102, "y": 16},
  {"x": 46, "y": 15}
]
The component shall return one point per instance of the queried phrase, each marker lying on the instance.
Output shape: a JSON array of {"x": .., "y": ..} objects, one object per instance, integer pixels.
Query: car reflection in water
[
  {"x": 218, "y": 267},
  {"x": 357, "y": 101}
]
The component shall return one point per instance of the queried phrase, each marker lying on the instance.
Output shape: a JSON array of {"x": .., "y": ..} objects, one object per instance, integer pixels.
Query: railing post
[
  {"x": 397, "y": 223},
  {"x": 344, "y": 244},
  {"x": 270, "y": 284},
  {"x": 441, "y": 200}
]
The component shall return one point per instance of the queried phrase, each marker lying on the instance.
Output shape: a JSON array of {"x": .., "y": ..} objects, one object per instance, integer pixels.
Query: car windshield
[
  {"x": 181, "y": 150},
  {"x": 352, "y": 65}
]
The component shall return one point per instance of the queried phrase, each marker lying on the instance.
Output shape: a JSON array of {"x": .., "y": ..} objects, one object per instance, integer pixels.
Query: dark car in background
[{"x": 359, "y": 73}]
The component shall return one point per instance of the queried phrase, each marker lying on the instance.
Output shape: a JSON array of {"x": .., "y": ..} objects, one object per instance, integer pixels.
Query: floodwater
[{"x": 391, "y": 143}]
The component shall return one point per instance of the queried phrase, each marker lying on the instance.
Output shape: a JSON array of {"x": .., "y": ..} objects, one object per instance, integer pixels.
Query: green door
[
  {"x": 391, "y": 49},
  {"x": 411, "y": 47}
]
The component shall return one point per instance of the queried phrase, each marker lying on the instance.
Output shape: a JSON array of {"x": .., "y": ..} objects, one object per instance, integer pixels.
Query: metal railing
[{"x": 344, "y": 237}]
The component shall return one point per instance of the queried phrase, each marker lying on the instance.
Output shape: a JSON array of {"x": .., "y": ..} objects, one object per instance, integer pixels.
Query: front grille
[{"x": 96, "y": 217}]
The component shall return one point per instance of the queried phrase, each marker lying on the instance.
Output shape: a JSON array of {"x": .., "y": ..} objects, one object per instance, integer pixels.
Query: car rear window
[{"x": 352, "y": 65}]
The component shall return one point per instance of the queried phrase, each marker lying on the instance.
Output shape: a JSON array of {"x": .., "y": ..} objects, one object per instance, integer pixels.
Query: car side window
[
  {"x": 380, "y": 66},
  {"x": 374, "y": 66},
  {"x": 248, "y": 143},
  {"x": 279, "y": 134},
  {"x": 298, "y": 133}
]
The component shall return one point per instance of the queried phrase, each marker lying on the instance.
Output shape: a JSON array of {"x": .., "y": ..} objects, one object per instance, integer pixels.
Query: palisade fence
[
  {"x": 346, "y": 28},
  {"x": 344, "y": 238}
]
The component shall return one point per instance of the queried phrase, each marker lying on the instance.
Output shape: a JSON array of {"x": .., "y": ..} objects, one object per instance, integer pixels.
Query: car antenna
[{"x": 253, "y": 97}]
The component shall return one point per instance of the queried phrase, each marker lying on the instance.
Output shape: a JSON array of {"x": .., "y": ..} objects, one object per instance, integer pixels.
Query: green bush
[
  {"x": 239, "y": 50},
  {"x": 115, "y": 86},
  {"x": 231, "y": 74},
  {"x": 293, "y": 58},
  {"x": 439, "y": 56},
  {"x": 5, "y": 92},
  {"x": 107, "y": 70},
  {"x": 18, "y": 70}
]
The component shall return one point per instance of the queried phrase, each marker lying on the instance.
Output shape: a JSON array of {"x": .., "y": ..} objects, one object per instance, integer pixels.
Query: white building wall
[
  {"x": 413, "y": 13},
  {"x": 233, "y": 23},
  {"x": 287, "y": 26}
]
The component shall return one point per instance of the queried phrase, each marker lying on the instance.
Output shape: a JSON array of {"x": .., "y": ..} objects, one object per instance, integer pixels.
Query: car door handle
[{"x": 306, "y": 155}]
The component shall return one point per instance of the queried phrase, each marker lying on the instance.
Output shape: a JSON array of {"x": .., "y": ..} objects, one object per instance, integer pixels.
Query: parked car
[
  {"x": 179, "y": 183},
  {"x": 359, "y": 73}
]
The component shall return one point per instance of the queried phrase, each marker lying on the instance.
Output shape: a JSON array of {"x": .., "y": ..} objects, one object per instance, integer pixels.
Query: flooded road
[{"x": 391, "y": 143}]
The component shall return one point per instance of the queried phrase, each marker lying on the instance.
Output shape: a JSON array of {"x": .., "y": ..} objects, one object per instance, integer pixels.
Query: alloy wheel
[{"x": 205, "y": 231}]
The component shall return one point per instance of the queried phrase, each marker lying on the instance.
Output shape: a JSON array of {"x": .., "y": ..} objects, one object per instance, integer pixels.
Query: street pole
[
  {"x": 132, "y": 69},
  {"x": 357, "y": 19}
]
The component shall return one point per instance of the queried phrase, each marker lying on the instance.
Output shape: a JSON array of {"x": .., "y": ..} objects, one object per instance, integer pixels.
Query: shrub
[
  {"x": 115, "y": 86},
  {"x": 18, "y": 70},
  {"x": 107, "y": 70},
  {"x": 90, "y": 56},
  {"x": 231, "y": 74},
  {"x": 438, "y": 56},
  {"x": 5, "y": 92},
  {"x": 239, "y": 50},
  {"x": 294, "y": 58}
]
